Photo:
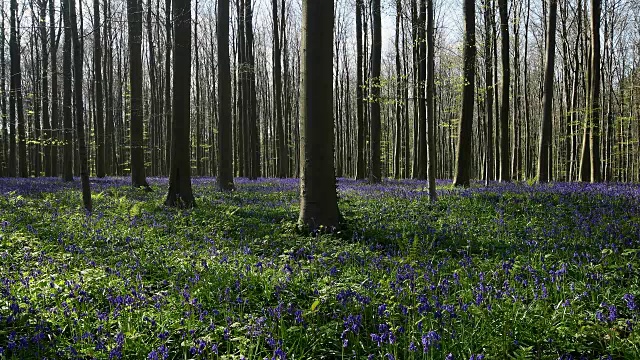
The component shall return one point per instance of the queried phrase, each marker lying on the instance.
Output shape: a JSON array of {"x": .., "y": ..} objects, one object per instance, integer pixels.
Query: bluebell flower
[{"x": 631, "y": 302}]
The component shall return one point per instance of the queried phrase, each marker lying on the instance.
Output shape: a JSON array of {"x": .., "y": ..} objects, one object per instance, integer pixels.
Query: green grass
[{"x": 508, "y": 271}]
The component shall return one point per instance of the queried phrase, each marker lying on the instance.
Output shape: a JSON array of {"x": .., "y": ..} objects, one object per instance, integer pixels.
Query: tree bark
[
  {"x": 375, "y": 174},
  {"x": 67, "y": 163},
  {"x": 463, "y": 157},
  {"x": 79, "y": 107},
  {"x": 545, "y": 165},
  {"x": 431, "y": 114},
  {"x": 180, "y": 193},
  {"x": 318, "y": 198},
  {"x": 505, "y": 172},
  {"x": 97, "y": 68},
  {"x": 360, "y": 166},
  {"x": 225, "y": 149},
  {"x": 594, "y": 106},
  {"x": 134, "y": 19}
]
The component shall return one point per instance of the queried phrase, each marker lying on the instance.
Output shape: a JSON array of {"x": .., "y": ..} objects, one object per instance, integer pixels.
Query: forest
[{"x": 319, "y": 179}]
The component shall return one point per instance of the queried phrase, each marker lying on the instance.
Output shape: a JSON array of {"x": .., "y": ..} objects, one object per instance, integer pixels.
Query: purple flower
[{"x": 631, "y": 302}]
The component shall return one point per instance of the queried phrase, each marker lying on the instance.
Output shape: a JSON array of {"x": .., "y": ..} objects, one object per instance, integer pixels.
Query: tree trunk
[
  {"x": 225, "y": 149},
  {"x": 134, "y": 19},
  {"x": 281, "y": 151},
  {"x": 180, "y": 192},
  {"x": 594, "y": 98},
  {"x": 67, "y": 164},
  {"x": 489, "y": 85},
  {"x": 16, "y": 91},
  {"x": 97, "y": 68},
  {"x": 505, "y": 172},
  {"x": 79, "y": 107},
  {"x": 431, "y": 114},
  {"x": 463, "y": 157},
  {"x": 360, "y": 166},
  {"x": 318, "y": 198},
  {"x": 545, "y": 163},
  {"x": 375, "y": 174}
]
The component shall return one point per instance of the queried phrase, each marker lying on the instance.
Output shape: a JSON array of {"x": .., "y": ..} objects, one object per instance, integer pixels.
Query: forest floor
[{"x": 495, "y": 272}]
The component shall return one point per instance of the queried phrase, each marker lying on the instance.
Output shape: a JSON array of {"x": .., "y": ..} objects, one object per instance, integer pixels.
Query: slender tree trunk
[
  {"x": 375, "y": 174},
  {"x": 505, "y": 173},
  {"x": 545, "y": 163},
  {"x": 422, "y": 104},
  {"x": 281, "y": 151},
  {"x": 16, "y": 91},
  {"x": 595, "y": 109},
  {"x": 225, "y": 149},
  {"x": 431, "y": 113},
  {"x": 134, "y": 19},
  {"x": 79, "y": 107},
  {"x": 10, "y": 146},
  {"x": 489, "y": 85},
  {"x": 97, "y": 68},
  {"x": 167, "y": 86},
  {"x": 67, "y": 164},
  {"x": 360, "y": 166},
  {"x": 398, "y": 104},
  {"x": 463, "y": 157}
]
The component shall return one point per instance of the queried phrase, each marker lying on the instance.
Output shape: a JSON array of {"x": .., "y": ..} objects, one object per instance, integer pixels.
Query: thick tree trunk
[
  {"x": 318, "y": 198},
  {"x": 463, "y": 156},
  {"x": 180, "y": 192}
]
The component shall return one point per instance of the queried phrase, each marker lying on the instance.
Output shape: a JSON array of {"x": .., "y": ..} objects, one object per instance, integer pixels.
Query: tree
[
  {"x": 45, "y": 90},
  {"x": 594, "y": 96},
  {"x": 134, "y": 17},
  {"x": 281, "y": 149},
  {"x": 225, "y": 149},
  {"x": 544, "y": 154},
  {"x": 67, "y": 162},
  {"x": 421, "y": 153},
  {"x": 375, "y": 174},
  {"x": 318, "y": 198},
  {"x": 505, "y": 172},
  {"x": 463, "y": 157},
  {"x": 16, "y": 105},
  {"x": 180, "y": 193},
  {"x": 431, "y": 117},
  {"x": 360, "y": 166},
  {"x": 97, "y": 69},
  {"x": 77, "y": 88},
  {"x": 489, "y": 85}
]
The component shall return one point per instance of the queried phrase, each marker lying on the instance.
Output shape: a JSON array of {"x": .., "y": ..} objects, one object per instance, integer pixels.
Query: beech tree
[
  {"x": 180, "y": 193},
  {"x": 225, "y": 150},
  {"x": 318, "y": 198},
  {"x": 544, "y": 155},
  {"x": 463, "y": 158}
]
